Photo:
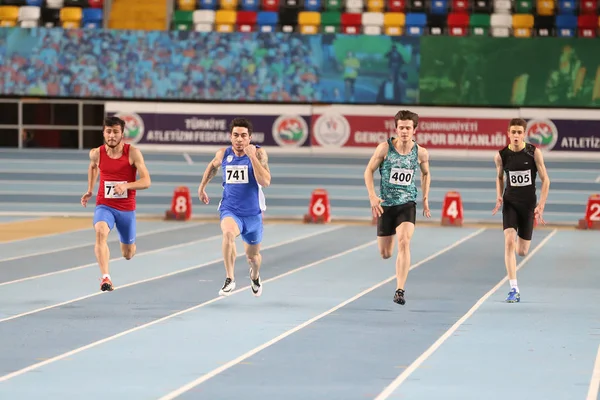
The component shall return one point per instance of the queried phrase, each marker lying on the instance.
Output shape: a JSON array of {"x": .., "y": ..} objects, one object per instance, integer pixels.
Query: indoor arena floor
[{"x": 325, "y": 326}]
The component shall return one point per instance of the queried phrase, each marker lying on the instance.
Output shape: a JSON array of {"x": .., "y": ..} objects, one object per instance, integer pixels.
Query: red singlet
[{"x": 112, "y": 172}]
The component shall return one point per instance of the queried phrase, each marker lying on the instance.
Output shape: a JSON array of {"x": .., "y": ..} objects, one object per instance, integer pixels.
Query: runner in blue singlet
[{"x": 245, "y": 172}]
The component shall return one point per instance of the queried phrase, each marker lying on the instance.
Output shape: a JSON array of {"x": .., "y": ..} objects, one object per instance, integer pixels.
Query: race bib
[
  {"x": 236, "y": 174},
  {"x": 109, "y": 190},
  {"x": 519, "y": 178},
  {"x": 402, "y": 177}
]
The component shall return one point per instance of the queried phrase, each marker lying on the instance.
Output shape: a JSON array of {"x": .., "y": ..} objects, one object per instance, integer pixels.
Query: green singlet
[{"x": 397, "y": 176}]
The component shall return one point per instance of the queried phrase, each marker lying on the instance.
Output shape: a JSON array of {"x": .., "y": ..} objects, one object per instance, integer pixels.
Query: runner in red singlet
[{"x": 118, "y": 164}]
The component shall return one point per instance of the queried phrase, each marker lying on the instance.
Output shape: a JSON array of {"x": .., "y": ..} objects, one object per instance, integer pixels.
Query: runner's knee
[
  {"x": 228, "y": 236},
  {"x": 128, "y": 252},
  {"x": 385, "y": 253},
  {"x": 102, "y": 231},
  {"x": 403, "y": 242}
]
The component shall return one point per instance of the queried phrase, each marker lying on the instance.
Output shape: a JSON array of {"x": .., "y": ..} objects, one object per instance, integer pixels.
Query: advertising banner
[
  {"x": 481, "y": 71},
  {"x": 172, "y": 124},
  {"x": 210, "y": 66},
  {"x": 337, "y": 129},
  {"x": 564, "y": 134}
]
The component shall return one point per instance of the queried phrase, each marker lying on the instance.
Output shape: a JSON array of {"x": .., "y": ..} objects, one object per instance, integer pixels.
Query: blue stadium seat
[
  {"x": 415, "y": 24},
  {"x": 566, "y": 25}
]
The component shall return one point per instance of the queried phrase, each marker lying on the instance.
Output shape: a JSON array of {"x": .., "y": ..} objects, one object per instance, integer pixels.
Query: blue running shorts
[
  {"x": 251, "y": 228},
  {"x": 124, "y": 220}
]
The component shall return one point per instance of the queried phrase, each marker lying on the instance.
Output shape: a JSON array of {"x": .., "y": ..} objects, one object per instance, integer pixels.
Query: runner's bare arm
[
  {"x": 541, "y": 168},
  {"x": 262, "y": 171},
  {"x": 373, "y": 165},
  {"x": 499, "y": 182},
  {"x": 499, "y": 176},
  {"x": 93, "y": 169},
  {"x": 144, "y": 181},
  {"x": 425, "y": 174},
  {"x": 212, "y": 169}
]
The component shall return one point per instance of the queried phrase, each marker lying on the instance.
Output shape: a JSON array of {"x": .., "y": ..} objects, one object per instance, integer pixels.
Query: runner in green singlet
[{"x": 396, "y": 208}]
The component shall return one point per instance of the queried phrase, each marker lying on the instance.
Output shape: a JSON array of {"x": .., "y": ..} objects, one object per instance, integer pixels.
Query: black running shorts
[
  {"x": 519, "y": 216},
  {"x": 393, "y": 216}
]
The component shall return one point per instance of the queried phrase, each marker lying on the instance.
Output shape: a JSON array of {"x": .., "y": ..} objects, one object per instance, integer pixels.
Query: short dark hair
[
  {"x": 517, "y": 122},
  {"x": 405, "y": 115},
  {"x": 241, "y": 123},
  {"x": 113, "y": 121}
]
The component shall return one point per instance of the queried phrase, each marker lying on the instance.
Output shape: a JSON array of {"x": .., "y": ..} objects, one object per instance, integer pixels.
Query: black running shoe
[{"x": 399, "y": 297}]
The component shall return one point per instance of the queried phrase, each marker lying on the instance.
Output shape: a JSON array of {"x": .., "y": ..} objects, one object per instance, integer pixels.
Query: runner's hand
[
  {"x": 538, "y": 212},
  {"x": 84, "y": 199},
  {"x": 498, "y": 205},
  {"x": 376, "y": 208},
  {"x": 426, "y": 211},
  {"x": 203, "y": 196}
]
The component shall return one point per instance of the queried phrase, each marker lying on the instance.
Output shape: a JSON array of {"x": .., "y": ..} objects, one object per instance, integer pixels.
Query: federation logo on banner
[
  {"x": 331, "y": 130},
  {"x": 290, "y": 131},
  {"x": 541, "y": 133},
  {"x": 134, "y": 127}
]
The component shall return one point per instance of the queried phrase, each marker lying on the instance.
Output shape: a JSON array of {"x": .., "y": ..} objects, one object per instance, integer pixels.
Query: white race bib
[
  {"x": 519, "y": 178},
  {"x": 400, "y": 176},
  {"x": 109, "y": 190},
  {"x": 236, "y": 174}
]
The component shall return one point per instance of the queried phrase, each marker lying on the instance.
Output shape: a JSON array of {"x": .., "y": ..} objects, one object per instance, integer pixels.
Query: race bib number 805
[
  {"x": 520, "y": 178},
  {"x": 109, "y": 190},
  {"x": 400, "y": 176},
  {"x": 236, "y": 174}
]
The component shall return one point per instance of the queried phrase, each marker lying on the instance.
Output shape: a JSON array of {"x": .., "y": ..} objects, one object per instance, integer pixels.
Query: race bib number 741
[
  {"x": 520, "y": 178},
  {"x": 109, "y": 190},
  {"x": 235, "y": 174},
  {"x": 400, "y": 176}
]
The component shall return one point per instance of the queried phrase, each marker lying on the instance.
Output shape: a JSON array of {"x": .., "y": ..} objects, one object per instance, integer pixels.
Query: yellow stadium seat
[
  {"x": 309, "y": 29},
  {"x": 8, "y": 23},
  {"x": 393, "y": 23},
  {"x": 186, "y": 5},
  {"x": 225, "y": 17},
  {"x": 71, "y": 25},
  {"x": 71, "y": 14},
  {"x": 545, "y": 7},
  {"x": 227, "y": 28},
  {"x": 228, "y": 4},
  {"x": 9, "y": 13},
  {"x": 375, "y": 5},
  {"x": 522, "y": 25},
  {"x": 309, "y": 18}
]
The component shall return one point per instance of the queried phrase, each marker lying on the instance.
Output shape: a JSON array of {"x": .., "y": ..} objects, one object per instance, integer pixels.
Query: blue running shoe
[{"x": 513, "y": 296}]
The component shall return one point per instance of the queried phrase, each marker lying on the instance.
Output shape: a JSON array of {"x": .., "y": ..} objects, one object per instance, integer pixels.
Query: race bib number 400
[
  {"x": 520, "y": 178},
  {"x": 236, "y": 174},
  {"x": 109, "y": 190},
  {"x": 401, "y": 176}
]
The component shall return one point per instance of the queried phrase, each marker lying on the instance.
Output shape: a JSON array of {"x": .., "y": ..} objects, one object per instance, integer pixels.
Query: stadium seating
[
  {"x": 498, "y": 18},
  {"x": 52, "y": 13}
]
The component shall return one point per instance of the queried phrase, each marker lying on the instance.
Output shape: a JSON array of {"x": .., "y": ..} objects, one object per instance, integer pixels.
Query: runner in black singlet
[{"x": 522, "y": 163}]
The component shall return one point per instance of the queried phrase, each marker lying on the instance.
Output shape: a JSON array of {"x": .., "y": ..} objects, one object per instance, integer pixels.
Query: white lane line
[
  {"x": 271, "y": 342},
  {"x": 171, "y": 273},
  {"x": 595, "y": 382},
  {"x": 187, "y": 310},
  {"x": 112, "y": 240},
  {"x": 389, "y": 390},
  {"x": 188, "y": 159}
]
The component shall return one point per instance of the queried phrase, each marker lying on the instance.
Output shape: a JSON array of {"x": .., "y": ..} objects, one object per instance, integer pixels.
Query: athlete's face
[
  {"x": 113, "y": 135},
  {"x": 516, "y": 134},
  {"x": 240, "y": 138},
  {"x": 405, "y": 130}
]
